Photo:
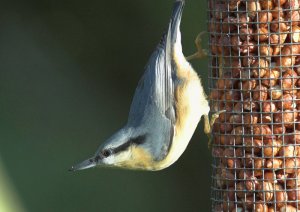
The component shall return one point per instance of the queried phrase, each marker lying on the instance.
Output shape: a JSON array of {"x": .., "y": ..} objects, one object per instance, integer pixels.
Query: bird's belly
[{"x": 191, "y": 104}]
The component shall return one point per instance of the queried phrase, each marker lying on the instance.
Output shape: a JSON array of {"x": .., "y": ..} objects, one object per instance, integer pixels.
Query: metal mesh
[{"x": 254, "y": 76}]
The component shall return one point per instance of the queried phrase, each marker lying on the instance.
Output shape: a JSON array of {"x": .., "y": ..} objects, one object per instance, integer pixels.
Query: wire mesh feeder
[{"x": 255, "y": 77}]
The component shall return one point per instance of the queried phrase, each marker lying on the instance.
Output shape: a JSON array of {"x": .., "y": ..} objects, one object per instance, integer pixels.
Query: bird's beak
[{"x": 86, "y": 164}]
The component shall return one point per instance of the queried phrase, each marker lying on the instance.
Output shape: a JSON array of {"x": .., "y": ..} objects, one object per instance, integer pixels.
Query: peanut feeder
[{"x": 255, "y": 76}]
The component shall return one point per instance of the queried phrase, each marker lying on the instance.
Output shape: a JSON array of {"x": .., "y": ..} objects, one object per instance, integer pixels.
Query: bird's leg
[
  {"x": 200, "y": 51},
  {"x": 203, "y": 53},
  {"x": 208, "y": 124},
  {"x": 207, "y": 129}
]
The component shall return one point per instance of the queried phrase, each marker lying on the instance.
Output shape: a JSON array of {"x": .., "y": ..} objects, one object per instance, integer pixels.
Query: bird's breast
[{"x": 190, "y": 105}]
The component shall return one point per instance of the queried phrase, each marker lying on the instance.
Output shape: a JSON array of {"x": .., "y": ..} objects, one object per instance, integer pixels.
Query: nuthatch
[{"x": 166, "y": 109}]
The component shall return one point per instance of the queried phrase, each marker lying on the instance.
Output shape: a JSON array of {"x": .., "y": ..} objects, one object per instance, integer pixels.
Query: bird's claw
[
  {"x": 200, "y": 51},
  {"x": 208, "y": 124}
]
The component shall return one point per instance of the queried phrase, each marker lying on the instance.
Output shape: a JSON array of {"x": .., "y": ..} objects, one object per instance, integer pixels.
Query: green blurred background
[{"x": 68, "y": 71}]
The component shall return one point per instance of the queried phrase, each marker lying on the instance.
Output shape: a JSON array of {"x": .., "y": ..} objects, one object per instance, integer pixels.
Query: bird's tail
[
  {"x": 174, "y": 27},
  {"x": 172, "y": 33}
]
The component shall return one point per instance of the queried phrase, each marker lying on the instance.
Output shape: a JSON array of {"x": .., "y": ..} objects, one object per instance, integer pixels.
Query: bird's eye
[{"x": 106, "y": 153}]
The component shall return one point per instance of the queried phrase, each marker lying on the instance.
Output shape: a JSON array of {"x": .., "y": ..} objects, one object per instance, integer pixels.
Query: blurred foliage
[
  {"x": 9, "y": 200},
  {"x": 68, "y": 70}
]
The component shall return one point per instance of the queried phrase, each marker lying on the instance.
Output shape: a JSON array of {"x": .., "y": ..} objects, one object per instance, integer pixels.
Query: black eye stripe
[
  {"x": 122, "y": 147},
  {"x": 137, "y": 140}
]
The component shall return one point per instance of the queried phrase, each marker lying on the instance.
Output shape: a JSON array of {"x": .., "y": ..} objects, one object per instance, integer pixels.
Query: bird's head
[{"x": 127, "y": 148}]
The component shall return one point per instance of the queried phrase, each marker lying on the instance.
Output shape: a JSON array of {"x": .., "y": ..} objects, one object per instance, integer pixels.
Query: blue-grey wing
[
  {"x": 153, "y": 105},
  {"x": 156, "y": 87},
  {"x": 152, "y": 108}
]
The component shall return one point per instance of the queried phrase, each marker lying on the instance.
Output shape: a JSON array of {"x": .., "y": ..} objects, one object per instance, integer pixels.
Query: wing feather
[{"x": 153, "y": 103}]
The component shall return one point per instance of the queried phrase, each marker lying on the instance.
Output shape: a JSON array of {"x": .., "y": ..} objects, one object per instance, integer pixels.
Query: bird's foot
[
  {"x": 208, "y": 124},
  {"x": 200, "y": 51}
]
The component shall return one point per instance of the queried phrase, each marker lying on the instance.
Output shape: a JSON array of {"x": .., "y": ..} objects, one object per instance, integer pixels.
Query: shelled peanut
[{"x": 255, "y": 72}]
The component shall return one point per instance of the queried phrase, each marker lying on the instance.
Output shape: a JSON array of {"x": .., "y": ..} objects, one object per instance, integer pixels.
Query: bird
[{"x": 167, "y": 106}]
